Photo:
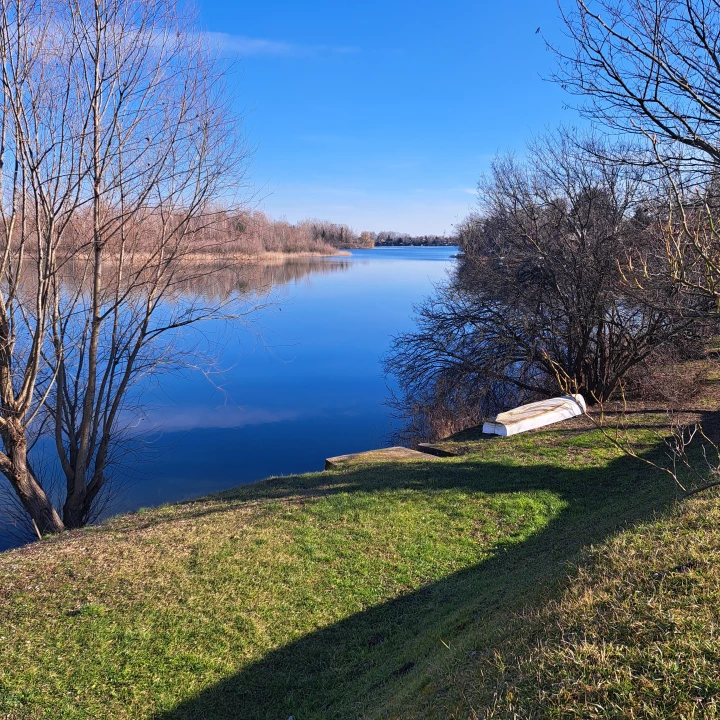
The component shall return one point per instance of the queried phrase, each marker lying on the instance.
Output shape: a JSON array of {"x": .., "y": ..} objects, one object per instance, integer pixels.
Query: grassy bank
[{"x": 542, "y": 575}]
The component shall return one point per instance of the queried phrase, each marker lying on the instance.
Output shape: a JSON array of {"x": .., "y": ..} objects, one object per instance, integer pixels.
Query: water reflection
[{"x": 221, "y": 279}]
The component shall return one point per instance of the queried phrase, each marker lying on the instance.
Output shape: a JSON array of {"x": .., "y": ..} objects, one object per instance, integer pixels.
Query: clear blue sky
[{"x": 383, "y": 114}]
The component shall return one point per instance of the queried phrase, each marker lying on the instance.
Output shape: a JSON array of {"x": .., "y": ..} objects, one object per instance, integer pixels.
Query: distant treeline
[
  {"x": 395, "y": 239},
  {"x": 255, "y": 233},
  {"x": 215, "y": 234},
  {"x": 226, "y": 233}
]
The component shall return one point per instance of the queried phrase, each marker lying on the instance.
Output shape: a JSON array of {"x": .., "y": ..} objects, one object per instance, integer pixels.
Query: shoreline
[
  {"x": 304, "y": 254},
  {"x": 265, "y": 257}
]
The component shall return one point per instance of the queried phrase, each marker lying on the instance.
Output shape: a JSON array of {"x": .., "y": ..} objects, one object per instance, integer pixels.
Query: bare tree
[
  {"x": 652, "y": 69},
  {"x": 649, "y": 68},
  {"x": 118, "y": 148}
]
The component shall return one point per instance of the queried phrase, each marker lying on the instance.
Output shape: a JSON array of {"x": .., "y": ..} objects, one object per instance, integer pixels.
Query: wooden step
[{"x": 392, "y": 454}]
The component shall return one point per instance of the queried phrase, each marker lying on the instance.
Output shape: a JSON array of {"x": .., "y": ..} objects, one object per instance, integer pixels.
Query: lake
[{"x": 303, "y": 383}]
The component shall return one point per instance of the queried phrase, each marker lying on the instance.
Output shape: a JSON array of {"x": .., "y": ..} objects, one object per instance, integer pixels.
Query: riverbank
[{"x": 545, "y": 573}]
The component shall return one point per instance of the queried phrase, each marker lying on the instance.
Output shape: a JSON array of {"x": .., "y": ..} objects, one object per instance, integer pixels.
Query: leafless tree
[
  {"x": 118, "y": 147},
  {"x": 648, "y": 67},
  {"x": 652, "y": 69},
  {"x": 335, "y": 234}
]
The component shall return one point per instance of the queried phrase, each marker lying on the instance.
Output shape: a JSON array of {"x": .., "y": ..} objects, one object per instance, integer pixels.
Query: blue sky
[{"x": 384, "y": 114}]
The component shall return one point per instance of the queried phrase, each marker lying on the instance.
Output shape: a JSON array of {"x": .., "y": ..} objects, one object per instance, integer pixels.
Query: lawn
[{"x": 458, "y": 587}]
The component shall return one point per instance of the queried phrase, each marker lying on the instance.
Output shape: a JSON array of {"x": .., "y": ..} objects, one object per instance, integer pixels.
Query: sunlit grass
[
  {"x": 371, "y": 592},
  {"x": 634, "y": 634}
]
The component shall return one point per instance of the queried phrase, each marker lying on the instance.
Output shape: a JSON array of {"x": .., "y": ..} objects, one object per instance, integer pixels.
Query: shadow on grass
[{"x": 347, "y": 669}]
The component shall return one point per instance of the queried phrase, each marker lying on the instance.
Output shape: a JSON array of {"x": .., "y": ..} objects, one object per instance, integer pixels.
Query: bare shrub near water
[
  {"x": 667, "y": 378},
  {"x": 540, "y": 291},
  {"x": 437, "y": 413}
]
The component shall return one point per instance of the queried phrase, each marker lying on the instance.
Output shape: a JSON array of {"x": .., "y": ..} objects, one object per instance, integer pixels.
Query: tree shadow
[{"x": 347, "y": 668}]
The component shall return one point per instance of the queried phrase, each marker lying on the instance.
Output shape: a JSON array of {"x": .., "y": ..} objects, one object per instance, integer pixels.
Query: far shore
[
  {"x": 265, "y": 257},
  {"x": 284, "y": 256}
]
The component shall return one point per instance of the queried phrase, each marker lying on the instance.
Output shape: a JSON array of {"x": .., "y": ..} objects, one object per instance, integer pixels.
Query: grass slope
[
  {"x": 438, "y": 589},
  {"x": 636, "y": 635}
]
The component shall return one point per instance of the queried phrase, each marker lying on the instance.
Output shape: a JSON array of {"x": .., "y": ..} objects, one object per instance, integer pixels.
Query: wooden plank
[
  {"x": 535, "y": 415},
  {"x": 383, "y": 455}
]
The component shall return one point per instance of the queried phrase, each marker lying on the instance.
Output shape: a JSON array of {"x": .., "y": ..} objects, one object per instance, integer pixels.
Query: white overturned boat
[{"x": 535, "y": 415}]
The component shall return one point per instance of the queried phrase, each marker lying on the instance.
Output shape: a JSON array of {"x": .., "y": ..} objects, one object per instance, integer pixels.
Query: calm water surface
[{"x": 311, "y": 388}]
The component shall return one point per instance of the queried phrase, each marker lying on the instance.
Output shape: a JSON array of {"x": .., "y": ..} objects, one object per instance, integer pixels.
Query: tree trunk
[
  {"x": 74, "y": 508},
  {"x": 32, "y": 496}
]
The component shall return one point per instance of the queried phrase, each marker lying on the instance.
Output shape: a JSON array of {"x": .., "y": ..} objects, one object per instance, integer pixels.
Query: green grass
[
  {"x": 419, "y": 589},
  {"x": 637, "y": 632}
]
